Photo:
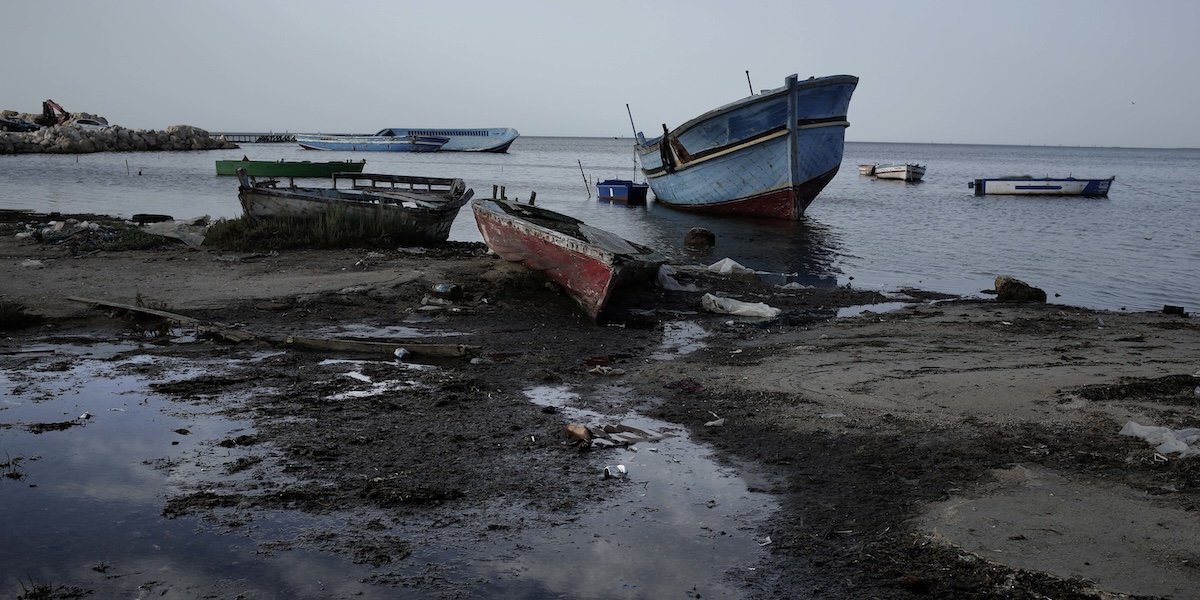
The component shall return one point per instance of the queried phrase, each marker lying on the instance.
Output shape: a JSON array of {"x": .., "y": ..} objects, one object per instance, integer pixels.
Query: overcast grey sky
[{"x": 1058, "y": 72}]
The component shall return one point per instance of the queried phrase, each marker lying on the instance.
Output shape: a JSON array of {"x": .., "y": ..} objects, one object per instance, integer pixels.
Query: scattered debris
[
  {"x": 396, "y": 349},
  {"x": 614, "y": 472},
  {"x": 578, "y": 435},
  {"x": 729, "y": 306},
  {"x": 448, "y": 291},
  {"x": 1167, "y": 441},
  {"x": 603, "y": 370}
]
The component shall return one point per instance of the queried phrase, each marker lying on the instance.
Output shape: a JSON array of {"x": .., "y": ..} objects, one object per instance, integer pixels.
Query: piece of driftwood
[
  {"x": 386, "y": 348},
  {"x": 135, "y": 308},
  {"x": 224, "y": 331},
  {"x": 331, "y": 345}
]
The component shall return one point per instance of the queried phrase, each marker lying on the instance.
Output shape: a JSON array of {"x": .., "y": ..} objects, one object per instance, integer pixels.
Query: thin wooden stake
[{"x": 586, "y": 186}]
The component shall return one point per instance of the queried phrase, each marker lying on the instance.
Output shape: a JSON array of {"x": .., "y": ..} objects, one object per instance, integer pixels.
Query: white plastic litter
[
  {"x": 611, "y": 472},
  {"x": 1167, "y": 441},
  {"x": 666, "y": 280},
  {"x": 729, "y": 306},
  {"x": 725, "y": 266}
]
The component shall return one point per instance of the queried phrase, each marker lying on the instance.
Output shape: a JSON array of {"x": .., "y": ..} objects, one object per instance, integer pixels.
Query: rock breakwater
[{"x": 72, "y": 139}]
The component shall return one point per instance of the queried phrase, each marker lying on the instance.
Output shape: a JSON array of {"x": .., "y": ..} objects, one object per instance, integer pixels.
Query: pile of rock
[{"x": 71, "y": 139}]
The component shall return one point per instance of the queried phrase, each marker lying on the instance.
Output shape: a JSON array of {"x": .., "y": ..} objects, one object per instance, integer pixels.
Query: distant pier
[{"x": 257, "y": 138}]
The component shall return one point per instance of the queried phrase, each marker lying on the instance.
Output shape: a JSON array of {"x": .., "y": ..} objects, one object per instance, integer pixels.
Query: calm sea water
[{"x": 1135, "y": 250}]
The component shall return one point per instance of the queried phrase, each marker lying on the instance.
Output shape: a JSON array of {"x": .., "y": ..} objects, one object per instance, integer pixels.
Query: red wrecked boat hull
[{"x": 589, "y": 263}]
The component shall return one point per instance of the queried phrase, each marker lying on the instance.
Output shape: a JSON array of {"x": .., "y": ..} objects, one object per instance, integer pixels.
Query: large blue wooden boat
[
  {"x": 384, "y": 141},
  {"x": 767, "y": 155}
]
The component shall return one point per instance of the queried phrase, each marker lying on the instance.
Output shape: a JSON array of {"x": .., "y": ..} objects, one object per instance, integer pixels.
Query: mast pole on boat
[
  {"x": 635, "y": 141},
  {"x": 748, "y": 82}
]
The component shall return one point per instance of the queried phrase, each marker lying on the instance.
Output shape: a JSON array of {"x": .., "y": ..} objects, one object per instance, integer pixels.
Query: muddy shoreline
[{"x": 870, "y": 432}]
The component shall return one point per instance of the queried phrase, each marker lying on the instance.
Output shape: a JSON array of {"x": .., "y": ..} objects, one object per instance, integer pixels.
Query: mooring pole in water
[{"x": 585, "y": 181}]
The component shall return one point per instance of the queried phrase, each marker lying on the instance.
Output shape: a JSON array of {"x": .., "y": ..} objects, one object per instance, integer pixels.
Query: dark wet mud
[{"x": 165, "y": 461}]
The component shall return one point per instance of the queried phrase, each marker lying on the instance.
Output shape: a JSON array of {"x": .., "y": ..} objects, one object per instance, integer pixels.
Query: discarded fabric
[
  {"x": 1167, "y": 441},
  {"x": 665, "y": 279},
  {"x": 725, "y": 266},
  {"x": 729, "y": 306}
]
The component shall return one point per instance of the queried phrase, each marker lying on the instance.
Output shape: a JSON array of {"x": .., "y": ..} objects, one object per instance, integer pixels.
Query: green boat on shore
[{"x": 289, "y": 168}]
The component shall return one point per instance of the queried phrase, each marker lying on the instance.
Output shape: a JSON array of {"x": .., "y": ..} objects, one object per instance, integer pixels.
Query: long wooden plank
[
  {"x": 231, "y": 334},
  {"x": 133, "y": 307},
  {"x": 334, "y": 345},
  {"x": 386, "y": 348}
]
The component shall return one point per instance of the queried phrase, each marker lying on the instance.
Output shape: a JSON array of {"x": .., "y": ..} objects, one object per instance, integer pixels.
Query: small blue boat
[
  {"x": 384, "y": 141},
  {"x": 623, "y": 191},
  {"x": 767, "y": 155},
  {"x": 1045, "y": 186}
]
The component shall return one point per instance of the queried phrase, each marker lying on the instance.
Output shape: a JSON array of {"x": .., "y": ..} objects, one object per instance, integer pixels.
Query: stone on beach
[{"x": 1009, "y": 289}]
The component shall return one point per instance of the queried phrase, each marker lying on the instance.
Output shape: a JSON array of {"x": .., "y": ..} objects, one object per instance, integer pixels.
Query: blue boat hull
[
  {"x": 622, "y": 190},
  {"x": 767, "y": 155}
]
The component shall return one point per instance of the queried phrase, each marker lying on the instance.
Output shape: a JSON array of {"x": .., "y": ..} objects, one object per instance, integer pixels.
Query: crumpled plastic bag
[
  {"x": 729, "y": 306},
  {"x": 1167, "y": 440},
  {"x": 666, "y": 280},
  {"x": 726, "y": 266}
]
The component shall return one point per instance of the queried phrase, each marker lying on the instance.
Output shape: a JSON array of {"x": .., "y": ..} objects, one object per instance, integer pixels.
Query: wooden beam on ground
[
  {"x": 385, "y": 348},
  {"x": 229, "y": 333},
  {"x": 134, "y": 308}
]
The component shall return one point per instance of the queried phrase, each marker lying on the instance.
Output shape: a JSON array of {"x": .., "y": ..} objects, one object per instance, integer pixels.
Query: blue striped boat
[
  {"x": 1045, "y": 186},
  {"x": 380, "y": 142},
  {"x": 767, "y": 155},
  {"x": 494, "y": 139}
]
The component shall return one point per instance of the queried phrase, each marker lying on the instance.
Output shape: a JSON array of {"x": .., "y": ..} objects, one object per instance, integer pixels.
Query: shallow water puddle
[
  {"x": 382, "y": 332},
  {"x": 679, "y": 338},
  {"x": 83, "y": 503},
  {"x": 678, "y": 523},
  {"x": 862, "y": 309},
  {"x": 86, "y": 502}
]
